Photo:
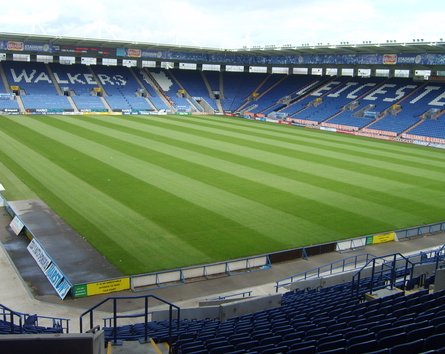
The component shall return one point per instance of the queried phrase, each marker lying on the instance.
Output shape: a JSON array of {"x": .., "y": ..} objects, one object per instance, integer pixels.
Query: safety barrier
[
  {"x": 340, "y": 266},
  {"x": 182, "y": 275}
]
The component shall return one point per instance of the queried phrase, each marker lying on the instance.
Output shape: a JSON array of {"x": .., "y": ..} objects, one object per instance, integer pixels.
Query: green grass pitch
[{"x": 159, "y": 192}]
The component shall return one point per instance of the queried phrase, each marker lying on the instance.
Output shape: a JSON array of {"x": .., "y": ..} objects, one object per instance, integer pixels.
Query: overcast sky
[{"x": 229, "y": 24}]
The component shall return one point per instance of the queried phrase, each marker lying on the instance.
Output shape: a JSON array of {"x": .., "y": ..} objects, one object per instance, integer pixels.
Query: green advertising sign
[{"x": 79, "y": 290}]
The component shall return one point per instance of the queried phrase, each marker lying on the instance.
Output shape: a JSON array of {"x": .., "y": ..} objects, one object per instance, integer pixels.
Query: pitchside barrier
[{"x": 182, "y": 275}]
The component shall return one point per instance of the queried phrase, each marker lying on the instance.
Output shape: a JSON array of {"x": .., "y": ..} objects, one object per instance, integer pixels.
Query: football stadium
[{"x": 183, "y": 199}]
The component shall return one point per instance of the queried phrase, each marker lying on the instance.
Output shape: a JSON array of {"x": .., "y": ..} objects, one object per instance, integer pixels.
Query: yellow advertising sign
[
  {"x": 386, "y": 237},
  {"x": 108, "y": 286}
]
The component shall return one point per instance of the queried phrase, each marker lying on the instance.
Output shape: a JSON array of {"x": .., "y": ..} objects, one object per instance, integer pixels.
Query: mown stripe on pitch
[
  {"x": 323, "y": 138},
  {"x": 198, "y": 224},
  {"x": 265, "y": 220},
  {"x": 82, "y": 223},
  {"x": 400, "y": 202},
  {"x": 95, "y": 205},
  {"x": 393, "y": 170},
  {"x": 377, "y": 151},
  {"x": 374, "y": 212},
  {"x": 299, "y": 164},
  {"x": 15, "y": 189},
  {"x": 255, "y": 184},
  {"x": 362, "y": 179}
]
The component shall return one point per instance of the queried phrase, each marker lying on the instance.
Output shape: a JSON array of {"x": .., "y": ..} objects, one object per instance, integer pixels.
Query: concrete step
[{"x": 135, "y": 347}]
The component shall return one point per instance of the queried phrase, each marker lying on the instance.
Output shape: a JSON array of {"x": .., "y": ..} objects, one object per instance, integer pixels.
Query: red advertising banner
[
  {"x": 390, "y": 59},
  {"x": 133, "y": 53},
  {"x": 15, "y": 46}
]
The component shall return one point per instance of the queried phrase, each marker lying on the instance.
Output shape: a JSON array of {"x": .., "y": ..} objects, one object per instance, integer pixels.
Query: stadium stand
[
  {"x": 410, "y": 111},
  {"x": 193, "y": 83},
  {"x": 392, "y": 108},
  {"x": 272, "y": 98},
  {"x": 300, "y": 99},
  {"x": 430, "y": 130},
  {"x": 152, "y": 96},
  {"x": 330, "y": 99},
  {"x": 171, "y": 88},
  {"x": 121, "y": 88},
  {"x": 213, "y": 80},
  {"x": 7, "y": 100},
  {"x": 347, "y": 317},
  {"x": 78, "y": 81},
  {"x": 238, "y": 87},
  {"x": 37, "y": 90},
  {"x": 318, "y": 320}
]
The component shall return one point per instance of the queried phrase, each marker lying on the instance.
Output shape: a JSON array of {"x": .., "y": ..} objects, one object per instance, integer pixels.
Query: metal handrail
[
  {"x": 339, "y": 266},
  {"x": 145, "y": 313},
  {"x": 8, "y": 315},
  {"x": 386, "y": 261}
]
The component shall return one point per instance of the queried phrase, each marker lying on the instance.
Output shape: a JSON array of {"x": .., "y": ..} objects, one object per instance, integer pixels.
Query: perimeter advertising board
[
  {"x": 381, "y": 238},
  {"x": 39, "y": 255},
  {"x": 55, "y": 276},
  {"x": 16, "y": 225},
  {"x": 103, "y": 287},
  {"x": 58, "y": 280}
]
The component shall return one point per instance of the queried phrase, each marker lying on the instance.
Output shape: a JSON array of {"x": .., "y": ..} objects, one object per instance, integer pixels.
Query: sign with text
[
  {"x": 380, "y": 238},
  {"x": 103, "y": 287},
  {"x": 57, "y": 280},
  {"x": 39, "y": 255},
  {"x": 16, "y": 225},
  {"x": 386, "y": 237}
]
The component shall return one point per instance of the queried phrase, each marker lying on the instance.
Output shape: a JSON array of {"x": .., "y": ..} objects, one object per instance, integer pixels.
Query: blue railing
[
  {"x": 24, "y": 323},
  {"x": 385, "y": 269},
  {"x": 340, "y": 266},
  {"x": 113, "y": 321},
  {"x": 12, "y": 319},
  {"x": 237, "y": 295},
  {"x": 420, "y": 230}
]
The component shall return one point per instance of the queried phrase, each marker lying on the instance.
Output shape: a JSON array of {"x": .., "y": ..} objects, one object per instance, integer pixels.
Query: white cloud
[{"x": 229, "y": 23}]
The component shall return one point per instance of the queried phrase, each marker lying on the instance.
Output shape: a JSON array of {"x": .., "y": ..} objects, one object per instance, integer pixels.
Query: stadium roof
[{"x": 390, "y": 47}]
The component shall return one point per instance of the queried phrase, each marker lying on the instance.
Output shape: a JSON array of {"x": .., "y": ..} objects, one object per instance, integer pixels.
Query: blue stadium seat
[
  {"x": 303, "y": 350},
  {"x": 363, "y": 347},
  {"x": 221, "y": 349},
  {"x": 421, "y": 333},
  {"x": 413, "y": 347},
  {"x": 356, "y": 332},
  {"x": 435, "y": 341},
  {"x": 340, "y": 343},
  {"x": 361, "y": 338},
  {"x": 391, "y": 340}
]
